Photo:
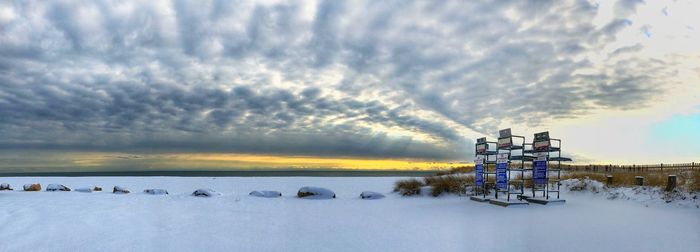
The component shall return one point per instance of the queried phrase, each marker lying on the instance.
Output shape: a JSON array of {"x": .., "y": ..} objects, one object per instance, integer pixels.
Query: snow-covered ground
[{"x": 235, "y": 221}]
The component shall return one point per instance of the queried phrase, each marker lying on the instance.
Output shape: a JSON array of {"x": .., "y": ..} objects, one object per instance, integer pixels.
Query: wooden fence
[{"x": 632, "y": 168}]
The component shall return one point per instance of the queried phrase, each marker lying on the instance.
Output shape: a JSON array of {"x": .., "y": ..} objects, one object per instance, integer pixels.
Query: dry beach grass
[{"x": 455, "y": 181}]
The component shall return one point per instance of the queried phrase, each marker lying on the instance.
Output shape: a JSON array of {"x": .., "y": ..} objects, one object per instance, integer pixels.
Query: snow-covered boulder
[
  {"x": 32, "y": 187},
  {"x": 57, "y": 187},
  {"x": 156, "y": 191},
  {"x": 205, "y": 192},
  {"x": 309, "y": 192},
  {"x": 5, "y": 186},
  {"x": 371, "y": 195},
  {"x": 120, "y": 190},
  {"x": 266, "y": 194}
]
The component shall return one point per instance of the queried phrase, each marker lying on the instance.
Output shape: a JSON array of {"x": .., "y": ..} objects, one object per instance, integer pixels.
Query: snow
[
  {"x": 89, "y": 189},
  {"x": 643, "y": 195},
  {"x": 156, "y": 191},
  {"x": 266, "y": 194},
  {"x": 83, "y": 189},
  {"x": 102, "y": 221}
]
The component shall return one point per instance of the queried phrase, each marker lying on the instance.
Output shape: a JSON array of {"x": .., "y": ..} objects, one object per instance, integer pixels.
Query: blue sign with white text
[
  {"x": 501, "y": 176},
  {"x": 479, "y": 168},
  {"x": 539, "y": 175}
]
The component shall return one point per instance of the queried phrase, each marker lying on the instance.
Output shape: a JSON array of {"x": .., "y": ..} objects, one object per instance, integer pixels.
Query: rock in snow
[
  {"x": 57, "y": 187},
  {"x": 32, "y": 187},
  {"x": 266, "y": 194},
  {"x": 119, "y": 189},
  {"x": 309, "y": 192},
  {"x": 5, "y": 186},
  {"x": 205, "y": 192},
  {"x": 371, "y": 195},
  {"x": 156, "y": 191}
]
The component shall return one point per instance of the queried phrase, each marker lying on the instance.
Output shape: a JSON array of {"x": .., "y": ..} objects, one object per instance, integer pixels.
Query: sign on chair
[
  {"x": 539, "y": 169},
  {"x": 501, "y": 167},
  {"x": 479, "y": 170}
]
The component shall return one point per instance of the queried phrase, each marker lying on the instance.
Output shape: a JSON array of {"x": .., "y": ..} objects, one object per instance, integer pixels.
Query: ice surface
[{"x": 44, "y": 221}]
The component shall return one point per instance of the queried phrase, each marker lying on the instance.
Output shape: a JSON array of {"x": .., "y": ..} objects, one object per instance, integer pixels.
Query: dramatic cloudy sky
[{"x": 380, "y": 79}]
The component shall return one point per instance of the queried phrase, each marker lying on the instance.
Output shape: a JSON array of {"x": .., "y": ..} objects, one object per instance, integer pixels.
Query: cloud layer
[{"x": 387, "y": 79}]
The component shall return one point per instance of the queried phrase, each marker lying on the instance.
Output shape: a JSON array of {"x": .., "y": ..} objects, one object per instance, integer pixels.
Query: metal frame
[
  {"x": 513, "y": 157},
  {"x": 549, "y": 150},
  {"x": 487, "y": 161}
]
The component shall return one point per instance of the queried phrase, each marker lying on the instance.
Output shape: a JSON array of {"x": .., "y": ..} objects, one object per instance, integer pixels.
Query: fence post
[
  {"x": 639, "y": 180},
  {"x": 609, "y": 181},
  {"x": 671, "y": 184},
  {"x": 662, "y": 166}
]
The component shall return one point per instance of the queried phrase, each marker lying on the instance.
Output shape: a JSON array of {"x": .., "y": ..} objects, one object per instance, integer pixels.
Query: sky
[{"x": 414, "y": 81}]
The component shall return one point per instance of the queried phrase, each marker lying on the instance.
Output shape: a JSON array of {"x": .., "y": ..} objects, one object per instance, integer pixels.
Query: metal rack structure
[
  {"x": 516, "y": 157},
  {"x": 487, "y": 157},
  {"x": 545, "y": 153}
]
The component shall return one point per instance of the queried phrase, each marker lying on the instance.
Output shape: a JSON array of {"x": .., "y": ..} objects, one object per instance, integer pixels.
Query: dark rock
[
  {"x": 371, "y": 195},
  {"x": 32, "y": 187},
  {"x": 120, "y": 190},
  {"x": 5, "y": 187}
]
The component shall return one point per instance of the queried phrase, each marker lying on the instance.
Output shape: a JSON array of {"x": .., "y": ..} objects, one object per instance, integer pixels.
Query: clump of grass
[
  {"x": 408, "y": 187},
  {"x": 694, "y": 184},
  {"x": 448, "y": 184},
  {"x": 462, "y": 169}
]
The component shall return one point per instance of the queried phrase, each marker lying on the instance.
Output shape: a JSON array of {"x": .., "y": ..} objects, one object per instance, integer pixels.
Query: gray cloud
[{"x": 391, "y": 78}]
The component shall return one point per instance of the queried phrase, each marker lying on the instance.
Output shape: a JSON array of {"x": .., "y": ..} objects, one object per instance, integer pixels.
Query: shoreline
[{"x": 241, "y": 173}]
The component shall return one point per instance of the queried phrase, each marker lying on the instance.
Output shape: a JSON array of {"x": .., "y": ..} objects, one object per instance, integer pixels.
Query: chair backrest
[
  {"x": 505, "y": 139},
  {"x": 481, "y": 146},
  {"x": 541, "y": 141}
]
